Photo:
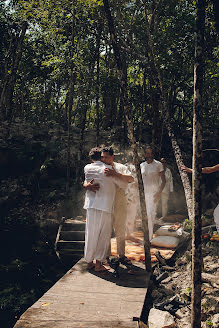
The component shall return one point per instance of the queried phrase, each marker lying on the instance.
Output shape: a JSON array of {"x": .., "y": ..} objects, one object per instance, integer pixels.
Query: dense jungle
[{"x": 61, "y": 93}]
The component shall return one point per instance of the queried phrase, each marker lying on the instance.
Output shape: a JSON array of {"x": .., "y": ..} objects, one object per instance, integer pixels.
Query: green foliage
[
  {"x": 188, "y": 258},
  {"x": 23, "y": 282},
  {"x": 62, "y": 39},
  {"x": 209, "y": 323},
  {"x": 187, "y": 225}
]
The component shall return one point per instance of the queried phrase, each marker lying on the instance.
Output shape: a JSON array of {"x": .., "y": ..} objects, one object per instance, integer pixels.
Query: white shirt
[
  {"x": 169, "y": 182},
  {"x": 150, "y": 176},
  {"x": 103, "y": 198}
]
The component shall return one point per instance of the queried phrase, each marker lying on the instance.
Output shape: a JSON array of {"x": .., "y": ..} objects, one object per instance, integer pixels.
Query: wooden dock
[{"x": 85, "y": 299}]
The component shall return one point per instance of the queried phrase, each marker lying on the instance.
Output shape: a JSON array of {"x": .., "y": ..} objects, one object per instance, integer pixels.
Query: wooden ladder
[{"x": 70, "y": 240}]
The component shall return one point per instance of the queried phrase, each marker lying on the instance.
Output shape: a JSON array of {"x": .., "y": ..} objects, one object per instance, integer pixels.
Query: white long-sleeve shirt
[
  {"x": 102, "y": 199},
  {"x": 150, "y": 175}
]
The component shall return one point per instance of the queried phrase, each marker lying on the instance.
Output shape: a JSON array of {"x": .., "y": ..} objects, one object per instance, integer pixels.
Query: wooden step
[
  {"x": 62, "y": 244},
  {"x": 73, "y": 225},
  {"x": 72, "y": 235}
]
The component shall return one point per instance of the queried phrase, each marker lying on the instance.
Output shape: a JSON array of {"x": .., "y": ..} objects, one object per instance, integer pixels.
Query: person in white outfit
[
  {"x": 216, "y": 217},
  {"x": 208, "y": 170},
  {"x": 99, "y": 207},
  {"x": 167, "y": 188},
  {"x": 152, "y": 171},
  {"x": 121, "y": 172}
]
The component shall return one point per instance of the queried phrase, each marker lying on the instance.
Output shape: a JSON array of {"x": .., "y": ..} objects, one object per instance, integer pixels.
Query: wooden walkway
[{"x": 89, "y": 300}]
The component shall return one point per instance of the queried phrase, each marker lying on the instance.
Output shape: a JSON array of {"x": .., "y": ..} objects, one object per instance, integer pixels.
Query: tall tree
[
  {"x": 197, "y": 166},
  {"x": 166, "y": 113},
  {"x": 70, "y": 96},
  {"x": 122, "y": 74},
  {"x": 11, "y": 64}
]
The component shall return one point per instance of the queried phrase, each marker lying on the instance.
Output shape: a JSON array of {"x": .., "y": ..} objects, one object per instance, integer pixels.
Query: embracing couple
[{"x": 106, "y": 206}]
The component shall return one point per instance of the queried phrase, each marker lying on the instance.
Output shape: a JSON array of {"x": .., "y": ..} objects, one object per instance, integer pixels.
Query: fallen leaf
[{"x": 45, "y": 304}]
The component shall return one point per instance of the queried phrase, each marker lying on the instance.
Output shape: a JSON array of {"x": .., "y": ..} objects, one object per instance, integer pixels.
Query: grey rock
[
  {"x": 215, "y": 320},
  {"x": 183, "y": 318},
  {"x": 160, "y": 319}
]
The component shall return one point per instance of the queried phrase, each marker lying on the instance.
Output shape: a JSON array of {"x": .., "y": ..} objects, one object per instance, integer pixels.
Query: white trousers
[
  {"x": 119, "y": 222},
  {"x": 97, "y": 235},
  {"x": 164, "y": 203},
  {"x": 131, "y": 217},
  {"x": 216, "y": 217},
  {"x": 151, "y": 212}
]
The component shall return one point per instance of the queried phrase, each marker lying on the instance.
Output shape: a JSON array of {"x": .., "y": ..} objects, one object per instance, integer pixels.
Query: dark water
[{"x": 28, "y": 268}]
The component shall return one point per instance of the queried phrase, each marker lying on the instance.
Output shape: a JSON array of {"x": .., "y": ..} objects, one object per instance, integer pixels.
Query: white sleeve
[{"x": 160, "y": 168}]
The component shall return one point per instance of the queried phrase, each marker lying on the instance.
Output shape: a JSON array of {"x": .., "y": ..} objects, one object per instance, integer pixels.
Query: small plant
[
  {"x": 209, "y": 324},
  {"x": 187, "y": 225},
  {"x": 188, "y": 257},
  {"x": 188, "y": 291},
  {"x": 187, "y": 294}
]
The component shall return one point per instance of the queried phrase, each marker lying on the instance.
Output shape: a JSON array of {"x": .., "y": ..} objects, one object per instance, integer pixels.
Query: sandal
[
  {"x": 101, "y": 269},
  {"x": 91, "y": 266},
  {"x": 124, "y": 260}
]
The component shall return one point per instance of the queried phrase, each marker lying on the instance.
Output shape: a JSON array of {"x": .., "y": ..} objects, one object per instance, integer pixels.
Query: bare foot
[{"x": 100, "y": 268}]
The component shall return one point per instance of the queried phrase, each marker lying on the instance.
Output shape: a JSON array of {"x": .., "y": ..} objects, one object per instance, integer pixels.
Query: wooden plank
[
  {"x": 75, "y": 324},
  {"x": 72, "y": 235},
  {"x": 89, "y": 299},
  {"x": 75, "y": 225},
  {"x": 62, "y": 244}
]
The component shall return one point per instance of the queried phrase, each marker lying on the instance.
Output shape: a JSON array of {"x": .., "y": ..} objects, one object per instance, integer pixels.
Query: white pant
[
  {"x": 216, "y": 217},
  {"x": 131, "y": 217},
  {"x": 119, "y": 222},
  {"x": 151, "y": 212},
  {"x": 164, "y": 203},
  {"x": 97, "y": 235}
]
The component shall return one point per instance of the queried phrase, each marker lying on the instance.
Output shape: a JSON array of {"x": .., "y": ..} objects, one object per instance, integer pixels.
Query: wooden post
[{"x": 197, "y": 168}]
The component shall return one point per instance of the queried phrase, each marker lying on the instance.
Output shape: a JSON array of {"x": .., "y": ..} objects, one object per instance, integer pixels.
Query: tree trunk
[
  {"x": 7, "y": 91},
  {"x": 69, "y": 103},
  {"x": 121, "y": 68},
  {"x": 197, "y": 167},
  {"x": 166, "y": 116},
  {"x": 99, "y": 31}
]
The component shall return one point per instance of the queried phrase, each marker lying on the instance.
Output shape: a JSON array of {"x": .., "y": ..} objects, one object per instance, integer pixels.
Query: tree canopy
[{"x": 45, "y": 45}]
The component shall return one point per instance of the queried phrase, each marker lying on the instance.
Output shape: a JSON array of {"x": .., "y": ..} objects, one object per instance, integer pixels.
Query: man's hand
[
  {"x": 110, "y": 172},
  {"x": 92, "y": 186},
  {"x": 157, "y": 196}
]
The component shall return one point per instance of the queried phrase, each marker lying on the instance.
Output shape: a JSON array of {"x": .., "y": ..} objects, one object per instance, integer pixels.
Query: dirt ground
[{"x": 175, "y": 290}]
